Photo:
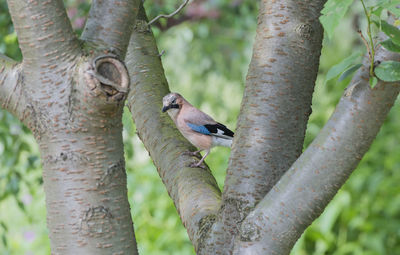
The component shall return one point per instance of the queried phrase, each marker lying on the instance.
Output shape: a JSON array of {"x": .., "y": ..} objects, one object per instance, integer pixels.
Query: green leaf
[
  {"x": 388, "y": 71},
  {"x": 391, "y": 31},
  {"x": 377, "y": 12},
  {"x": 333, "y": 12},
  {"x": 349, "y": 71},
  {"x": 390, "y": 46},
  {"x": 373, "y": 81},
  {"x": 4, "y": 240},
  {"x": 383, "y": 3},
  {"x": 342, "y": 66},
  {"x": 392, "y": 6},
  {"x": 4, "y": 226}
]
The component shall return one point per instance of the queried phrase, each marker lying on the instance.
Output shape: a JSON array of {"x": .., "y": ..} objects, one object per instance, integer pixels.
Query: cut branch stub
[{"x": 108, "y": 77}]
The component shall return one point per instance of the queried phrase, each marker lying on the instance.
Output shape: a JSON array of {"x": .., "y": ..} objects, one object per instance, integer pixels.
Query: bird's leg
[
  {"x": 193, "y": 153},
  {"x": 198, "y": 164}
]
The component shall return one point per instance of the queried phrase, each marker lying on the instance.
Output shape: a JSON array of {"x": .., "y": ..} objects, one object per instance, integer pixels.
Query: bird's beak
[{"x": 165, "y": 108}]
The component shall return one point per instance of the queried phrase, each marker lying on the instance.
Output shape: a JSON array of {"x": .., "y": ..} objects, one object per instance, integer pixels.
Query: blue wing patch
[{"x": 199, "y": 129}]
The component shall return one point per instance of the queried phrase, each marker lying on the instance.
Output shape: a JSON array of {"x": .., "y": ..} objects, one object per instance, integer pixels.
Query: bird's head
[{"x": 172, "y": 102}]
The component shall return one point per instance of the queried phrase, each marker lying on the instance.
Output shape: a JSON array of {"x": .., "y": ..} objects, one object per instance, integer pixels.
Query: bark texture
[
  {"x": 84, "y": 175},
  {"x": 194, "y": 190},
  {"x": 11, "y": 91},
  {"x": 304, "y": 191},
  {"x": 44, "y": 33},
  {"x": 110, "y": 24},
  {"x": 274, "y": 113},
  {"x": 72, "y": 97}
]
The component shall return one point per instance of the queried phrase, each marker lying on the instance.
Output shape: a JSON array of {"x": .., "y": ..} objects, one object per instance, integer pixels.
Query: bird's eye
[{"x": 174, "y": 101}]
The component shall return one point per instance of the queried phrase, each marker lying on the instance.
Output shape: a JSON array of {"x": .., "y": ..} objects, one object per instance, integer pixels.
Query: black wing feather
[{"x": 213, "y": 128}]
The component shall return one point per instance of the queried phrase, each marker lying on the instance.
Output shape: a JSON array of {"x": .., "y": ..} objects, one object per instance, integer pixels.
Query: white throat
[{"x": 173, "y": 112}]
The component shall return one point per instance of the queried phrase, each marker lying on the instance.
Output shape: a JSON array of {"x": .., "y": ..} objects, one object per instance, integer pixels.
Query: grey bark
[
  {"x": 194, "y": 190},
  {"x": 274, "y": 112},
  {"x": 110, "y": 24},
  {"x": 304, "y": 191},
  {"x": 11, "y": 92},
  {"x": 72, "y": 97},
  {"x": 44, "y": 33}
]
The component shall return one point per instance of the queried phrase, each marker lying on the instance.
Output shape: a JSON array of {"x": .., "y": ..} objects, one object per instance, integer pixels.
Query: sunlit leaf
[
  {"x": 4, "y": 226},
  {"x": 391, "y": 31},
  {"x": 389, "y": 45},
  {"x": 377, "y": 11},
  {"x": 4, "y": 240},
  {"x": 373, "y": 81},
  {"x": 394, "y": 9},
  {"x": 333, "y": 12},
  {"x": 388, "y": 71}
]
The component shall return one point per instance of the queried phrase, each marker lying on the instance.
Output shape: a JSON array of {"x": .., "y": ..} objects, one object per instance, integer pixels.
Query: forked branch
[
  {"x": 44, "y": 32},
  {"x": 194, "y": 191},
  {"x": 110, "y": 24}
]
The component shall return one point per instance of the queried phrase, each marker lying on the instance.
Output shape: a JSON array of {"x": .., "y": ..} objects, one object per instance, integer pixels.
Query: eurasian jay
[{"x": 196, "y": 126}]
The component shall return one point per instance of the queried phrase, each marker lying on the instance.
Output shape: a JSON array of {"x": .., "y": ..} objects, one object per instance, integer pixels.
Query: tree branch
[
  {"x": 169, "y": 15},
  {"x": 12, "y": 96},
  {"x": 304, "y": 191},
  {"x": 275, "y": 109},
  {"x": 44, "y": 32},
  {"x": 193, "y": 190},
  {"x": 110, "y": 24}
]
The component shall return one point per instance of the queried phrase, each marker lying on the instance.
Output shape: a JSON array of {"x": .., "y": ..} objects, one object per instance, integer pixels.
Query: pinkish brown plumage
[{"x": 196, "y": 126}]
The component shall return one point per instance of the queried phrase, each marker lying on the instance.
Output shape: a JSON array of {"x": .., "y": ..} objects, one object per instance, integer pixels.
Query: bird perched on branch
[{"x": 196, "y": 126}]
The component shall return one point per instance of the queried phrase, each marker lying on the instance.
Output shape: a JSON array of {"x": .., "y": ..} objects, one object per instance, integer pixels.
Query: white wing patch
[{"x": 219, "y": 141}]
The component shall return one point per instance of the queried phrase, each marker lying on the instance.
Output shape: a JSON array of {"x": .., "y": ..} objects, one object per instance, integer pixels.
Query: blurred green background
[{"x": 207, "y": 53}]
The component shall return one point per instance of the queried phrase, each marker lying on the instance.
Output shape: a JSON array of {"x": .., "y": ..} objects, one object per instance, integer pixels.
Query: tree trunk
[{"x": 71, "y": 94}]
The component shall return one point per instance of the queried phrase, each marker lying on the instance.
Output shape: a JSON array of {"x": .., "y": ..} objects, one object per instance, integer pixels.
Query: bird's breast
[{"x": 201, "y": 141}]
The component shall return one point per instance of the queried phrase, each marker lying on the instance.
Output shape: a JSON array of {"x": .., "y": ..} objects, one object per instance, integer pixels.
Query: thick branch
[
  {"x": 79, "y": 133},
  {"x": 12, "y": 96},
  {"x": 110, "y": 24},
  {"x": 44, "y": 32},
  {"x": 304, "y": 191},
  {"x": 193, "y": 190},
  {"x": 275, "y": 108}
]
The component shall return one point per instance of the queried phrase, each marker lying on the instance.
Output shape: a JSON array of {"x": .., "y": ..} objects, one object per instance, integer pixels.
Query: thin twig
[
  {"x": 369, "y": 32},
  {"x": 366, "y": 43},
  {"x": 169, "y": 15}
]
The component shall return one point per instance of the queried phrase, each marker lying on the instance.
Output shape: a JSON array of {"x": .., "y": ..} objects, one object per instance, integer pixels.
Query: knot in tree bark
[
  {"x": 304, "y": 30},
  {"x": 249, "y": 232},
  {"x": 108, "y": 76}
]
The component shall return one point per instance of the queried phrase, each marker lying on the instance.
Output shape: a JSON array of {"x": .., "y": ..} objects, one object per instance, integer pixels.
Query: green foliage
[
  {"x": 333, "y": 12},
  {"x": 391, "y": 31},
  {"x": 207, "y": 61},
  {"x": 223, "y": 29},
  {"x": 388, "y": 71},
  {"x": 389, "y": 45},
  {"x": 373, "y": 81},
  {"x": 344, "y": 65},
  {"x": 349, "y": 72},
  {"x": 8, "y": 38}
]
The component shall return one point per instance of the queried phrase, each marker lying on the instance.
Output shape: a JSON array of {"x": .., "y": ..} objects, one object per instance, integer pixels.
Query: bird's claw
[
  {"x": 192, "y": 153},
  {"x": 196, "y": 164}
]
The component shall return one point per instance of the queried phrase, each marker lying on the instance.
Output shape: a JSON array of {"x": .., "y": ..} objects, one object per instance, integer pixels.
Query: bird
[{"x": 196, "y": 126}]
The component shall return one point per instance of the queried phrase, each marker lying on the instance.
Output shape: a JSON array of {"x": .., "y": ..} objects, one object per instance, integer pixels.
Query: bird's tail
[{"x": 219, "y": 141}]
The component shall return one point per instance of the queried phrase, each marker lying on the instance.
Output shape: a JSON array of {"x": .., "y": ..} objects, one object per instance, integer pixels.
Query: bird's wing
[
  {"x": 202, "y": 123},
  {"x": 217, "y": 129}
]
